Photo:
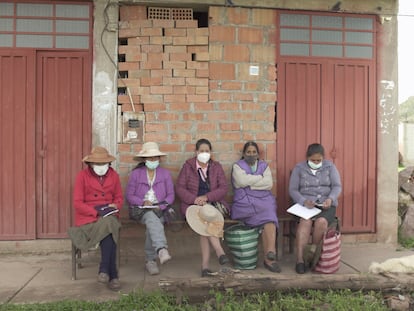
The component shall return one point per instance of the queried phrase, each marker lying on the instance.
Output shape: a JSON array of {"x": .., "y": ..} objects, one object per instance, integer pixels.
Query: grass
[{"x": 227, "y": 301}]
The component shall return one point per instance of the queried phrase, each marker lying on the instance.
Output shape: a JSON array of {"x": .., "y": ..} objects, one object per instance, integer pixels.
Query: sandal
[
  {"x": 206, "y": 273},
  {"x": 273, "y": 267}
]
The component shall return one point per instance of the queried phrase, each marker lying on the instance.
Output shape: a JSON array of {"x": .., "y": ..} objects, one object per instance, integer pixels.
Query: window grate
[{"x": 170, "y": 13}]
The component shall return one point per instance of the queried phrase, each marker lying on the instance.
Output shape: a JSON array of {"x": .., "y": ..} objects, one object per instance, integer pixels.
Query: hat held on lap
[
  {"x": 98, "y": 155},
  {"x": 206, "y": 220},
  {"x": 150, "y": 149}
]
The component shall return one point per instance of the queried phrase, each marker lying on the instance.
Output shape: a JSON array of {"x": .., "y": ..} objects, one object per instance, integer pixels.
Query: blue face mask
[
  {"x": 152, "y": 165},
  {"x": 314, "y": 166}
]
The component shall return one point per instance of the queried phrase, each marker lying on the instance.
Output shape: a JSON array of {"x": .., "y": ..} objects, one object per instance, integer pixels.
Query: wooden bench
[{"x": 286, "y": 221}]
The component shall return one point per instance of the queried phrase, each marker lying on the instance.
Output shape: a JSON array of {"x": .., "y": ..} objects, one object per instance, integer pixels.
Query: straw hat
[
  {"x": 205, "y": 220},
  {"x": 98, "y": 155},
  {"x": 150, "y": 149}
]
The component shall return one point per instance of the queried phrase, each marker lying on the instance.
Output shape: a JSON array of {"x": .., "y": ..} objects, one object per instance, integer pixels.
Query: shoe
[
  {"x": 273, "y": 267},
  {"x": 103, "y": 277},
  {"x": 300, "y": 268},
  {"x": 163, "y": 255},
  {"x": 114, "y": 284},
  {"x": 206, "y": 273},
  {"x": 271, "y": 256},
  {"x": 223, "y": 259},
  {"x": 152, "y": 267}
]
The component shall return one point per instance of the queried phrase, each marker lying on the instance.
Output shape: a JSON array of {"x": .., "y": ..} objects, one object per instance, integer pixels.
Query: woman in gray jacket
[{"x": 314, "y": 182}]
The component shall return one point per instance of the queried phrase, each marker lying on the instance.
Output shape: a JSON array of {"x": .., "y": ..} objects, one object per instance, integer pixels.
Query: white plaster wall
[{"x": 104, "y": 92}]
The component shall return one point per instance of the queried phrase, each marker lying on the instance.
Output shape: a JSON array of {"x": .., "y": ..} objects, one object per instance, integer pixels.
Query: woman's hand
[
  {"x": 309, "y": 204},
  {"x": 327, "y": 204},
  {"x": 201, "y": 200}
]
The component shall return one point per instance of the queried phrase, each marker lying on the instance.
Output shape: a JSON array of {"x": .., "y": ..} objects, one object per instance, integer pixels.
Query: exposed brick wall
[{"x": 194, "y": 82}]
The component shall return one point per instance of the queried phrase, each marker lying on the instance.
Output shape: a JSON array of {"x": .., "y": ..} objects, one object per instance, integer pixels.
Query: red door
[
  {"x": 332, "y": 103},
  {"x": 17, "y": 152},
  {"x": 63, "y": 135}
]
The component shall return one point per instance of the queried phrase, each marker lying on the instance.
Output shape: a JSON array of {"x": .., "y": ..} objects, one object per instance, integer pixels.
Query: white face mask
[
  {"x": 203, "y": 157},
  {"x": 100, "y": 170},
  {"x": 314, "y": 166}
]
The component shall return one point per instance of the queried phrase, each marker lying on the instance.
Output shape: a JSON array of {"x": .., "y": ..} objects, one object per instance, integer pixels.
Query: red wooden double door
[{"x": 45, "y": 130}]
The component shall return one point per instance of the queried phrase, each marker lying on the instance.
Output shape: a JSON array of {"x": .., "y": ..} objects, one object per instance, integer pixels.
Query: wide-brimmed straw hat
[
  {"x": 150, "y": 149},
  {"x": 98, "y": 155},
  {"x": 206, "y": 220}
]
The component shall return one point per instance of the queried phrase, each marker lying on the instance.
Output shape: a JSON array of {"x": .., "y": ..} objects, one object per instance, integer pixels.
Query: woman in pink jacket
[
  {"x": 98, "y": 191},
  {"x": 201, "y": 181}
]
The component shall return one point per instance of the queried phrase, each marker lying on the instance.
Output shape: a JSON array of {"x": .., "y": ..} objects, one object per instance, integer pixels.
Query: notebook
[{"x": 105, "y": 210}]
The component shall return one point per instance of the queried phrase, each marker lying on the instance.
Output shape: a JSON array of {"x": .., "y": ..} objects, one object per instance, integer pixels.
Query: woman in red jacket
[
  {"x": 97, "y": 199},
  {"x": 201, "y": 181}
]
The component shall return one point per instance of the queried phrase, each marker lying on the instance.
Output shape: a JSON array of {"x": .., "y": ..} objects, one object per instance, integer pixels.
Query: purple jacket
[
  {"x": 325, "y": 184},
  {"x": 253, "y": 207},
  {"x": 188, "y": 181},
  {"x": 138, "y": 186}
]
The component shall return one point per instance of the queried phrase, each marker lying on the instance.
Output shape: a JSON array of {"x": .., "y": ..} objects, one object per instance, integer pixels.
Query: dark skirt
[{"x": 329, "y": 214}]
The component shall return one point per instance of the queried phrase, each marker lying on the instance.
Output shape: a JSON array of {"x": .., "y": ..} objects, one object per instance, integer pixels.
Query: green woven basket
[{"x": 242, "y": 242}]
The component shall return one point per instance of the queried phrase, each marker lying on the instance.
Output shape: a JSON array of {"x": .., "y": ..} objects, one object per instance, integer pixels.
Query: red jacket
[{"x": 89, "y": 192}]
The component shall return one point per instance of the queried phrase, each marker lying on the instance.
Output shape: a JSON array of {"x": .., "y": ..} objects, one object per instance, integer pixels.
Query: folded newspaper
[{"x": 105, "y": 210}]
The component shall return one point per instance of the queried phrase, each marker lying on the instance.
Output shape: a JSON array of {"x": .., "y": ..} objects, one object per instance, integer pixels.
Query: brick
[
  {"x": 197, "y": 48},
  {"x": 186, "y": 73},
  {"x": 230, "y": 126},
  {"x": 230, "y": 136},
  {"x": 196, "y": 81},
  {"x": 128, "y": 66},
  {"x": 183, "y": 40},
  {"x": 174, "y": 65},
  {"x": 228, "y": 106},
  {"x": 128, "y": 33},
  {"x": 197, "y": 65},
  {"x": 216, "y": 52},
  {"x": 220, "y": 96},
  {"x": 153, "y": 136},
  {"x": 239, "y": 96},
  {"x": 176, "y": 106},
  {"x": 150, "y": 81},
  {"x": 168, "y": 116},
  {"x": 271, "y": 73},
  {"x": 154, "y": 64},
  {"x": 166, "y": 147},
  {"x": 175, "y": 49},
  {"x": 222, "y": 34},
  {"x": 193, "y": 116},
  {"x": 174, "y": 98},
  {"x": 253, "y": 126},
  {"x": 201, "y": 90},
  {"x": 153, "y": 107},
  {"x": 186, "y": 23},
  {"x": 161, "y": 73},
  {"x": 129, "y": 82},
  {"x": 150, "y": 48},
  {"x": 137, "y": 91},
  {"x": 222, "y": 71},
  {"x": 181, "y": 126},
  {"x": 238, "y": 16},
  {"x": 271, "y": 36},
  {"x": 162, "y": 89},
  {"x": 236, "y": 53},
  {"x": 138, "y": 41},
  {"x": 174, "y": 32},
  {"x": 151, "y": 99},
  {"x": 162, "y": 40},
  {"x": 204, "y": 106},
  {"x": 264, "y": 54},
  {"x": 156, "y": 127},
  {"x": 252, "y": 86},
  {"x": 217, "y": 115},
  {"x": 250, "y": 35},
  {"x": 154, "y": 57},
  {"x": 233, "y": 85},
  {"x": 205, "y": 127},
  {"x": 128, "y": 12},
  {"x": 201, "y": 40},
  {"x": 126, "y": 158},
  {"x": 197, "y": 98},
  {"x": 202, "y": 73},
  {"x": 266, "y": 97},
  {"x": 128, "y": 107},
  {"x": 180, "y": 56},
  {"x": 163, "y": 23},
  {"x": 138, "y": 74},
  {"x": 175, "y": 82},
  {"x": 185, "y": 89},
  {"x": 216, "y": 15},
  {"x": 153, "y": 31},
  {"x": 139, "y": 23},
  {"x": 263, "y": 17},
  {"x": 135, "y": 57},
  {"x": 204, "y": 56}
]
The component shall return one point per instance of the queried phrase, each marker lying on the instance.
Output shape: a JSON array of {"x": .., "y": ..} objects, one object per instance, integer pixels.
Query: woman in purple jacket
[
  {"x": 149, "y": 191},
  {"x": 253, "y": 202},
  {"x": 202, "y": 180},
  {"x": 314, "y": 182}
]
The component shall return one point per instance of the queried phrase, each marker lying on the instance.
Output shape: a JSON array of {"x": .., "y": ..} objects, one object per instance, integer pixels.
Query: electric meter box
[{"x": 132, "y": 127}]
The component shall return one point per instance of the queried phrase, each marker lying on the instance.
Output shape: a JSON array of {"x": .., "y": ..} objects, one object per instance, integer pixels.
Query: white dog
[{"x": 394, "y": 265}]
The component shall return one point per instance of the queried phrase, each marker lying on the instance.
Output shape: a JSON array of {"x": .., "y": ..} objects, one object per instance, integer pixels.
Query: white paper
[
  {"x": 303, "y": 211},
  {"x": 148, "y": 206}
]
